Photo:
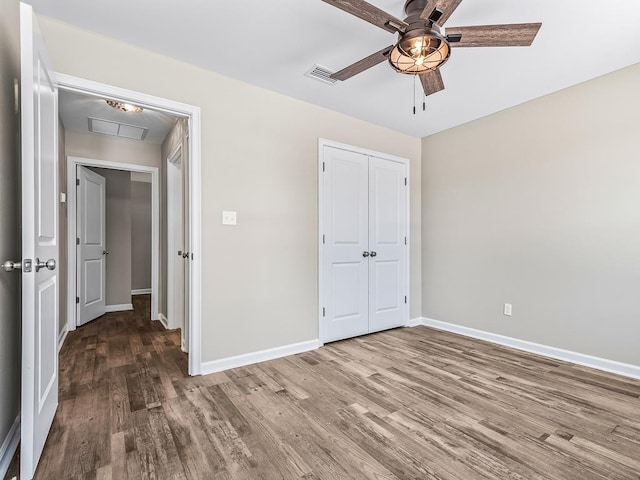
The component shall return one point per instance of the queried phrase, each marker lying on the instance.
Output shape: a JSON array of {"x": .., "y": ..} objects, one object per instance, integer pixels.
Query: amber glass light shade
[{"x": 419, "y": 51}]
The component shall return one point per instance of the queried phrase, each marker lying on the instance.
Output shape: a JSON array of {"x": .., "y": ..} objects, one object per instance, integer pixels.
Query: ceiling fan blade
[
  {"x": 512, "y": 35},
  {"x": 362, "y": 65},
  {"x": 431, "y": 82},
  {"x": 371, "y": 14},
  {"x": 439, "y": 10}
]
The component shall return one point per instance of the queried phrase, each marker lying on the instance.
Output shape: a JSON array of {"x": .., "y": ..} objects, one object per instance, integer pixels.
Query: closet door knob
[
  {"x": 365, "y": 254},
  {"x": 373, "y": 254}
]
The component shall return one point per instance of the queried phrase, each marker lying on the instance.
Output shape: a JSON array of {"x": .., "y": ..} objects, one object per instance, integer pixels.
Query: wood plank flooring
[{"x": 404, "y": 404}]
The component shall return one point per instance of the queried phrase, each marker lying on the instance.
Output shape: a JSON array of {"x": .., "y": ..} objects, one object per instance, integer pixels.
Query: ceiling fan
[{"x": 422, "y": 47}]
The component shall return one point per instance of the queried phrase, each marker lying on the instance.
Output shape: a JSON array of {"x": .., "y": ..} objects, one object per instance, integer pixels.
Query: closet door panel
[
  {"x": 346, "y": 270},
  {"x": 387, "y": 231}
]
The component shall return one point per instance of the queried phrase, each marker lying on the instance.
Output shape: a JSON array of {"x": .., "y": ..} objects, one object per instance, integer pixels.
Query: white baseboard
[
  {"x": 164, "y": 321},
  {"x": 119, "y": 308},
  {"x": 260, "y": 356},
  {"x": 598, "y": 363},
  {"x": 9, "y": 446},
  {"x": 414, "y": 322},
  {"x": 141, "y": 291},
  {"x": 62, "y": 337}
]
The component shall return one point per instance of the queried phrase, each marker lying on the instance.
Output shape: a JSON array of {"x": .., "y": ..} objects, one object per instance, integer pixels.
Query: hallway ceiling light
[{"x": 125, "y": 107}]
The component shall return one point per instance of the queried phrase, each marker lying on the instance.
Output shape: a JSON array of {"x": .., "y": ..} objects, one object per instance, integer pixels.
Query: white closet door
[
  {"x": 346, "y": 270},
  {"x": 387, "y": 230}
]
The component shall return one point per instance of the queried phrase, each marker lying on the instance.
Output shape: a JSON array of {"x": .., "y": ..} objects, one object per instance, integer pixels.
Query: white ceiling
[
  {"x": 272, "y": 43},
  {"x": 75, "y": 111}
]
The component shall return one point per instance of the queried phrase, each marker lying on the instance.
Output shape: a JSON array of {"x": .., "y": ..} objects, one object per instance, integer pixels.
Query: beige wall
[
  {"x": 539, "y": 206},
  {"x": 259, "y": 158},
  {"x": 118, "y": 241},
  {"x": 112, "y": 149},
  {"x": 140, "y": 235},
  {"x": 10, "y": 247}
]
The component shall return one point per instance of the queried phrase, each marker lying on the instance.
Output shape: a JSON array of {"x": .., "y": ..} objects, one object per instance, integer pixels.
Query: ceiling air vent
[
  {"x": 107, "y": 127},
  {"x": 322, "y": 74}
]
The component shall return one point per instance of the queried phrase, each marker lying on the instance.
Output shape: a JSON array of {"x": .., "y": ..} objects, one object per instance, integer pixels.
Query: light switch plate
[
  {"x": 229, "y": 218},
  {"x": 508, "y": 308},
  {"x": 63, "y": 197}
]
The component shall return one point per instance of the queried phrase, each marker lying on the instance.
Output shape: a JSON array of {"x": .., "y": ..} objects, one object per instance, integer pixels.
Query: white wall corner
[
  {"x": 9, "y": 446},
  {"x": 163, "y": 320},
  {"x": 119, "y": 308},
  {"x": 259, "y": 356},
  {"x": 611, "y": 366}
]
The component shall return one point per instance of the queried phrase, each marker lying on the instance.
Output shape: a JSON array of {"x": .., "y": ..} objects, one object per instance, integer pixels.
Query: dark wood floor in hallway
[{"x": 403, "y": 404}]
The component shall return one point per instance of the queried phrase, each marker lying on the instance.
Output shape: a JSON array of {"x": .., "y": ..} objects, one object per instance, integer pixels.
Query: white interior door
[
  {"x": 346, "y": 269},
  {"x": 387, "y": 236},
  {"x": 91, "y": 251},
  {"x": 40, "y": 313},
  {"x": 176, "y": 244}
]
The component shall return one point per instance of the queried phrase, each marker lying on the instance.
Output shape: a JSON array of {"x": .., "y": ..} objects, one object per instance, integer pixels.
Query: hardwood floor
[{"x": 404, "y": 404}]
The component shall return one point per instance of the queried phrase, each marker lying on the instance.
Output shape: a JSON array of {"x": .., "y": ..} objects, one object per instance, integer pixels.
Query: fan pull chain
[
  {"x": 424, "y": 101},
  {"x": 415, "y": 79}
]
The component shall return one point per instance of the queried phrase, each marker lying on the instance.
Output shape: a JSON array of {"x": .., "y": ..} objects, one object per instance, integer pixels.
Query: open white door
[
  {"x": 91, "y": 234},
  {"x": 175, "y": 242},
  {"x": 39, "y": 244}
]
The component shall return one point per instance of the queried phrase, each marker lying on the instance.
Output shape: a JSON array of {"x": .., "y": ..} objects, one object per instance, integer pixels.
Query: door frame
[
  {"x": 322, "y": 142},
  {"x": 193, "y": 116},
  {"x": 72, "y": 222}
]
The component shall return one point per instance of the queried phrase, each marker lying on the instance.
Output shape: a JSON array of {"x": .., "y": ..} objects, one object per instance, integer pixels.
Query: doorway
[
  {"x": 190, "y": 160},
  {"x": 87, "y": 290}
]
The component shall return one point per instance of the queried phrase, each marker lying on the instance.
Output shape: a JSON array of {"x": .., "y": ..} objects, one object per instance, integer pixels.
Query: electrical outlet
[{"x": 507, "y": 309}]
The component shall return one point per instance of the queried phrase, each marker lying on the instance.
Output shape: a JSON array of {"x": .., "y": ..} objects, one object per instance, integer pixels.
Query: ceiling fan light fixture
[
  {"x": 419, "y": 51},
  {"x": 125, "y": 107}
]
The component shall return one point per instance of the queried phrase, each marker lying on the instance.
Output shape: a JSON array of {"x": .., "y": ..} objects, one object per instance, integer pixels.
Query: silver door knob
[
  {"x": 365, "y": 254},
  {"x": 49, "y": 264},
  {"x": 10, "y": 266},
  {"x": 373, "y": 254},
  {"x": 105, "y": 252},
  {"x": 185, "y": 255}
]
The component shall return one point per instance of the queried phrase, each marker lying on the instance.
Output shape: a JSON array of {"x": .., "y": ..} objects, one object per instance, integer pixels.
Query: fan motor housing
[{"x": 414, "y": 8}]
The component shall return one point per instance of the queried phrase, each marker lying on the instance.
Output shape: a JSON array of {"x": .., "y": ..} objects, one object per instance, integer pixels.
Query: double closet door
[{"x": 364, "y": 243}]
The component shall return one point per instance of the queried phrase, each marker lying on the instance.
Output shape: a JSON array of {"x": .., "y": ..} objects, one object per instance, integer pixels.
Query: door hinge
[
  {"x": 323, "y": 312},
  {"x": 405, "y": 181},
  {"x": 77, "y": 241},
  {"x": 405, "y": 299},
  {"x": 77, "y": 299},
  {"x": 323, "y": 239},
  {"x": 405, "y": 240},
  {"x": 323, "y": 166},
  {"x": 77, "y": 181}
]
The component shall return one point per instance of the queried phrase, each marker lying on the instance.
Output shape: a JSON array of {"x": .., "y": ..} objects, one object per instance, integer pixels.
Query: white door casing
[
  {"x": 364, "y": 252},
  {"x": 39, "y": 124},
  {"x": 91, "y": 250},
  {"x": 387, "y": 233},
  {"x": 345, "y": 239}
]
